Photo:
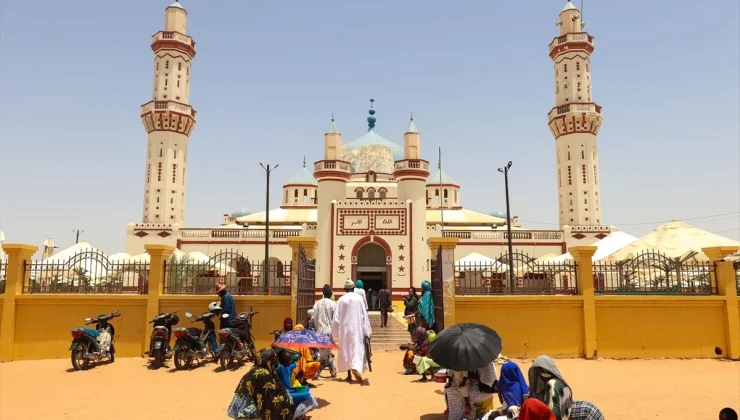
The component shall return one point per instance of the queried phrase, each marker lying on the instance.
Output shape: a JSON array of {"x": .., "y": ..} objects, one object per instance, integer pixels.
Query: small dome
[
  {"x": 302, "y": 177},
  {"x": 240, "y": 213},
  {"x": 499, "y": 214}
]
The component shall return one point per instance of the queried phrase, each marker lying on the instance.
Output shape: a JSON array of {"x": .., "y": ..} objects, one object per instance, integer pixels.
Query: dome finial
[
  {"x": 304, "y": 161},
  {"x": 412, "y": 116},
  {"x": 371, "y": 119}
]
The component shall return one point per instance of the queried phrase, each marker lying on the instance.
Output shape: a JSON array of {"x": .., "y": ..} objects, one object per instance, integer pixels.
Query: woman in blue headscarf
[
  {"x": 512, "y": 388},
  {"x": 426, "y": 306}
]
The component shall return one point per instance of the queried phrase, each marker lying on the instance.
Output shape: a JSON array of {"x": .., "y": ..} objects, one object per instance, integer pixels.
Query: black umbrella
[{"x": 465, "y": 347}]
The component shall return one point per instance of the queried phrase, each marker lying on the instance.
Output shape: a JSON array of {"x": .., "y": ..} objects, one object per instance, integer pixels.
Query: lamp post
[
  {"x": 505, "y": 171},
  {"x": 265, "y": 268}
]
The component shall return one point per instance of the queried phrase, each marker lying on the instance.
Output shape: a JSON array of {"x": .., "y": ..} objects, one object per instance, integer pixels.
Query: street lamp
[
  {"x": 505, "y": 171},
  {"x": 265, "y": 270}
]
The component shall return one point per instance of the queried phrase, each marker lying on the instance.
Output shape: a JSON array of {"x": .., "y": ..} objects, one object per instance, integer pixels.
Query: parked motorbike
[
  {"x": 159, "y": 343},
  {"x": 193, "y": 343},
  {"x": 93, "y": 345},
  {"x": 237, "y": 341}
]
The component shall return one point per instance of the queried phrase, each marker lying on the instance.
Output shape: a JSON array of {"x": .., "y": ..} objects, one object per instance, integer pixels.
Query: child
[{"x": 459, "y": 380}]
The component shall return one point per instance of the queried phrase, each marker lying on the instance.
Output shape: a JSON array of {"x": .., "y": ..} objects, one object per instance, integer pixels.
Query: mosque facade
[{"x": 371, "y": 203}]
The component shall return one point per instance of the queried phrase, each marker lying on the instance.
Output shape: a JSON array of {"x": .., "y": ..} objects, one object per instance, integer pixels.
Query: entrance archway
[{"x": 371, "y": 262}]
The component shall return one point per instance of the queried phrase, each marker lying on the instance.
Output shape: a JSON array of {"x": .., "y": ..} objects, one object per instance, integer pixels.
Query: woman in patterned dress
[{"x": 260, "y": 394}]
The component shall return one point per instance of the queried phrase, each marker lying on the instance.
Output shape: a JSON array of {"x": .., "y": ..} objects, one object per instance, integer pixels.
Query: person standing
[
  {"x": 360, "y": 290},
  {"x": 384, "y": 305},
  {"x": 351, "y": 326},
  {"x": 373, "y": 300},
  {"x": 323, "y": 314},
  {"x": 227, "y": 305},
  {"x": 411, "y": 302}
]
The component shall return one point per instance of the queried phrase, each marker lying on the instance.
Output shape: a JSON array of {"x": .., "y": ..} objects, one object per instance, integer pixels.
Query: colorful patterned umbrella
[{"x": 299, "y": 339}]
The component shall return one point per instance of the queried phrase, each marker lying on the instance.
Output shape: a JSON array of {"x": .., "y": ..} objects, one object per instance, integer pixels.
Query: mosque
[{"x": 370, "y": 202}]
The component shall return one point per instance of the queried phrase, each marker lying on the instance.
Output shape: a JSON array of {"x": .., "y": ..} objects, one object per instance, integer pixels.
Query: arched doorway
[{"x": 372, "y": 266}]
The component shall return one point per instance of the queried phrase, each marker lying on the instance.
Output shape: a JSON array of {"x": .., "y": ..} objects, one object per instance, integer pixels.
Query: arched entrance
[{"x": 372, "y": 266}]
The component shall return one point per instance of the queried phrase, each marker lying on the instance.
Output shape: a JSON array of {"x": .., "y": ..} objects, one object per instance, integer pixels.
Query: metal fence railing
[
  {"x": 87, "y": 272},
  {"x": 240, "y": 275},
  {"x": 526, "y": 277},
  {"x": 653, "y": 273}
]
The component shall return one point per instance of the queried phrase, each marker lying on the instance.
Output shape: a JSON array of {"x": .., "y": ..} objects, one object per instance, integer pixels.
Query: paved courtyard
[{"x": 127, "y": 389}]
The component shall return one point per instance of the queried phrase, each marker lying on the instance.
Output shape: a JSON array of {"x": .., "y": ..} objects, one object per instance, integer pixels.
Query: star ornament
[
  {"x": 401, "y": 258},
  {"x": 401, "y": 269},
  {"x": 341, "y": 257},
  {"x": 401, "y": 247},
  {"x": 341, "y": 267},
  {"x": 341, "y": 247}
]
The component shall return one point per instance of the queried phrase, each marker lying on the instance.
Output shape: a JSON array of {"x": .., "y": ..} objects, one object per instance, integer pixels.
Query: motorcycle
[
  {"x": 159, "y": 343},
  {"x": 93, "y": 344},
  {"x": 237, "y": 342},
  {"x": 192, "y": 343}
]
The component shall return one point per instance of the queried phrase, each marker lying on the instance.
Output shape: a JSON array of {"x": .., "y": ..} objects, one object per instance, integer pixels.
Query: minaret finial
[
  {"x": 371, "y": 119},
  {"x": 412, "y": 116},
  {"x": 332, "y": 116},
  {"x": 304, "y": 161}
]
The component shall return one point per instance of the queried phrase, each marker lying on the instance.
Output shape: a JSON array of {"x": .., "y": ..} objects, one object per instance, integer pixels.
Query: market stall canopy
[
  {"x": 674, "y": 239},
  {"x": 604, "y": 248},
  {"x": 471, "y": 261}
]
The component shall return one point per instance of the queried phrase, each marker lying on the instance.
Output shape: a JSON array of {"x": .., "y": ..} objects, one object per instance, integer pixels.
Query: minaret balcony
[
  {"x": 411, "y": 168},
  {"x": 173, "y": 40},
  {"x": 331, "y": 169},
  {"x": 571, "y": 41},
  {"x": 574, "y": 107},
  {"x": 172, "y": 106}
]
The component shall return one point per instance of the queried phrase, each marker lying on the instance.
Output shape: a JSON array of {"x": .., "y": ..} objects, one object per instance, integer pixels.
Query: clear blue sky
[{"x": 268, "y": 75}]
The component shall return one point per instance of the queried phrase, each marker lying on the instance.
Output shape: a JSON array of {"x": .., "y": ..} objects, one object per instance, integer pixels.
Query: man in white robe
[{"x": 350, "y": 326}]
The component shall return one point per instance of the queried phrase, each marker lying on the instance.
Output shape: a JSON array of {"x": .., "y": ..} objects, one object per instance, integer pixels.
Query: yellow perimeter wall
[
  {"x": 43, "y": 322},
  {"x": 626, "y": 326}
]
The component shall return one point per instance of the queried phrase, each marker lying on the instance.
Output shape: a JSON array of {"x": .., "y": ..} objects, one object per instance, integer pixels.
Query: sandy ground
[{"x": 634, "y": 389}]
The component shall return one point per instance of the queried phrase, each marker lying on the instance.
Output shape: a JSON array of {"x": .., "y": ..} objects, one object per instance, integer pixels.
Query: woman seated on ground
[
  {"x": 260, "y": 393},
  {"x": 306, "y": 367},
  {"x": 547, "y": 385},
  {"x": 534, "y": 409},
  {"x": 419, "y": 349},
  {"x": 480, "y": 394},
  {"x": 300, "y": 395},
  {"x": 512, "y": 391}
]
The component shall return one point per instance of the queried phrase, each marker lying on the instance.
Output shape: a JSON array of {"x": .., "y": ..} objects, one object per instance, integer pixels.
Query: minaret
[
  {"x": 332, "y": 175},
  {"x": 411, "y": 175},
  {"x": 575, "y": 122},
  {"x": 168, "y": 119}
]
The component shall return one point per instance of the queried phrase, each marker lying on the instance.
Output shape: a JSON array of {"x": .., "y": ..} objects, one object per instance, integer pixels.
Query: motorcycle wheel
[
  {"x": 226, "y": 356},
  {"x": 79, "y": 361},
  {"x": 158, "y": 362},
  {"x": 183, "y": 359}
]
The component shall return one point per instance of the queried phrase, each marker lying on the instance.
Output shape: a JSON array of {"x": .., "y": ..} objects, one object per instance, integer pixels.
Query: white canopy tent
[
  {"x": 673, "y": 239},
  {"x": 605, "y": 247},
  {"x": 479, "y": 262}
]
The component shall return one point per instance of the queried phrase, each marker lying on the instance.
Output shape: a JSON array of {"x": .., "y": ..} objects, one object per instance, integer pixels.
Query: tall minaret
[
  {"x": 411, "y": 175},
  {"x": 575, "y": 122},
  {"x": 168, "y": 119},
  {"x": 332, "y": 174}
]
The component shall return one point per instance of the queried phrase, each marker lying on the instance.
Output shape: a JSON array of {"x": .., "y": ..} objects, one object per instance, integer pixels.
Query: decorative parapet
[
  {"x": 167, "y": 40},
  {"x": 417, "y": 169},
  {"x": 237, "y": 233},
  {"x": 337, "y": 170},
  {"x": 571, "y": 41},
  {"x": 574, "y": 107},
  {"x": 168, "y": 116},
  {"x": 528, "y": 235}
]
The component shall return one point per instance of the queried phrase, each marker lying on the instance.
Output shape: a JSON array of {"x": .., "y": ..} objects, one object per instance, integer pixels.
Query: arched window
[
  {"x": 359, "y": 192},
  {"x": 305, "y": 196},
  {"x": 382, "y": 192},
  {"x": 436, "y": 196},
  {"x": 445, "y": 193},
  {"x": 427, "y": 197},
  {"x": 371, "y": 193}
]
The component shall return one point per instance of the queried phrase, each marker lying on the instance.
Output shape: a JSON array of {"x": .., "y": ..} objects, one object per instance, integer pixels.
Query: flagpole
[{"x": 441, "y": 195}]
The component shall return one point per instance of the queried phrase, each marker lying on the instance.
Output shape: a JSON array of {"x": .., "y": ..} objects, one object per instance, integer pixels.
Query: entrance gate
[
  {"x": 438, "y": 291},
  {"x": 306, "y": 286}
]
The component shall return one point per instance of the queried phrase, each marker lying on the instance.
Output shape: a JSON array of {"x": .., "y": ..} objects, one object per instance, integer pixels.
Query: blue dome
[
  {"x": 499, "y": 214},
  {"x": 240, "y": 213}
]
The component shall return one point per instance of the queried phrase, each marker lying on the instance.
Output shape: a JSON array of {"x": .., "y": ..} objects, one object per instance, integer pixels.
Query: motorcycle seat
[{"x": 91, "y": 332}]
